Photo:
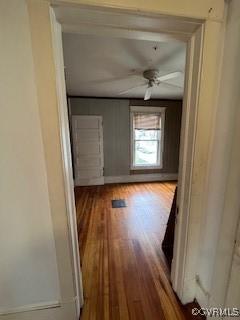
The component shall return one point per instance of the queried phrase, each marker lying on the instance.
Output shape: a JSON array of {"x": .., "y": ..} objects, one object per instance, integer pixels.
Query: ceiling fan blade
[
  {"x": 148, "y": 93},
  {"x": 172, "y": 85},
  {"x": 110, "y": 80},
  {"x": 169, "y": 76},
  {"x": 135, "y": 87}
]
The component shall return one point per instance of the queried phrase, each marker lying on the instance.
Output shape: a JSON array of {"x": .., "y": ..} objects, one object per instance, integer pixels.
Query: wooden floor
[{"x": 125, "y": 275}]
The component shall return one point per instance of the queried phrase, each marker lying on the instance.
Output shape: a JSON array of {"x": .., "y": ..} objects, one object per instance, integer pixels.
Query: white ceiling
[{"x": 102, "y": 66}]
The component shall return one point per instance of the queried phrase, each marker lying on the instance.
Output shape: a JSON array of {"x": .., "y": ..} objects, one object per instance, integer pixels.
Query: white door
[{"x": 87, "y": 134}]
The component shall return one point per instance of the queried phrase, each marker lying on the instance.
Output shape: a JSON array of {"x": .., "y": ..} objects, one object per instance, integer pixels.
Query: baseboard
[
  {"x": 63, "y": 312},
  {"x": 30, "y": 307},
  {"x": 141, "y": 178},
  {"x": 39, "y": 307},
  {"x": 89, "y": 182}
]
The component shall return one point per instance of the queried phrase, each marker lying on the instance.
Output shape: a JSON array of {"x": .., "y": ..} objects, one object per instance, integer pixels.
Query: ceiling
[{"x": 102, "y": 66}]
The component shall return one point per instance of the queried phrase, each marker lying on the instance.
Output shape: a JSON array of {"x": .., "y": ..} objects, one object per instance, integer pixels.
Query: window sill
[
  {"x": 146, "y": 168},
  {"x": 146, "y": 171}
]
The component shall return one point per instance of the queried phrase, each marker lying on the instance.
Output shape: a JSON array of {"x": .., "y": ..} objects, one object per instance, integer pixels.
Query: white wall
[
  {"x": 29, "y": 274},
  {"x": 219, "y": 222},
  {"x": 36, "y": 266}
]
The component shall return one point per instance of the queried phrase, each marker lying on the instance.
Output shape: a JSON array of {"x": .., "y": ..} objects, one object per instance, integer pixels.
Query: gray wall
[{"x": 116, "y": 130}]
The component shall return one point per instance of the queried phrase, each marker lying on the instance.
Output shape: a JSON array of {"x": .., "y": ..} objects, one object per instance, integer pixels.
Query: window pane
[
  {"x": 146, "y": 153},
  {"x": 146, "y": 134}
]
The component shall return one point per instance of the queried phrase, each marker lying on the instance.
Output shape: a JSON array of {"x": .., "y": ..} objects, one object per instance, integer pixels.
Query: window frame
[{"x": 150, "y": 110}]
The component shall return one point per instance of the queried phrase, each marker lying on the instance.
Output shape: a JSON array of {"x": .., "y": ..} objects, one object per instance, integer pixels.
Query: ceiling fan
[{"x": 153, "y": 79}]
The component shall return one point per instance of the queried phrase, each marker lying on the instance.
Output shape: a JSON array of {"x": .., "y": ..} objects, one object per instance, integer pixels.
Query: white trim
[
  {"x": 147, "y": 167},
  {"x": 176, "y": 23},
  {"x": 142, "y": 178},
  {"x": 183, "y": 283},
  {"x": 66, "y": 158},
  {"x": 147, "y": 109},
  {"x": 31, "y": 307}
]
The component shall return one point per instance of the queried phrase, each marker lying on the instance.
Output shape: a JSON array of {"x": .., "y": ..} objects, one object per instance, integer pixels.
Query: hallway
[{"x": 125, "y": 275}]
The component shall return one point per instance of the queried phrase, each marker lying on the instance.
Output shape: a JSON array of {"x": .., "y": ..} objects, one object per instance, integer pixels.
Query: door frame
[
  {"x": 186, "y": 158},
  {"x": 199, "y": 107},
  {"x": 67, "y": 160}
]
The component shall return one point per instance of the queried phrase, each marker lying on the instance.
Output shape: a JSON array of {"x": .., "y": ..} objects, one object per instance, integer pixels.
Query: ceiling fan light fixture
[{"x": 151, "y": 74}]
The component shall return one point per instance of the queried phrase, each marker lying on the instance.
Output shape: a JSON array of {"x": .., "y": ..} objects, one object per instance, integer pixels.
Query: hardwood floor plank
[{"x": 125, "y": 274}]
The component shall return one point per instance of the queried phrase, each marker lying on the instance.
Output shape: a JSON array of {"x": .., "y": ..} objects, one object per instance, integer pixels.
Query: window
[{"x": 147, "y": 125}]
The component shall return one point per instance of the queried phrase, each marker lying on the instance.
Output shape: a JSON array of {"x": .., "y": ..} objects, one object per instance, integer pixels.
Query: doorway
[{"x": 194, "y": 39}]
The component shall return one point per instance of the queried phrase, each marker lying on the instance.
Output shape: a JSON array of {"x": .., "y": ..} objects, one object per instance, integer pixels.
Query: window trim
[{"x": 147, "y": 109}]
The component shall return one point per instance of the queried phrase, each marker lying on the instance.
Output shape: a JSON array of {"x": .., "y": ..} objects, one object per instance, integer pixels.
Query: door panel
[
  {"x": 87, "y": 136},
  {"x": 86, "y": 122},
  {"x": 92, "y": 161},
  {"x": 88, "y": 148},
  {"x": 92, "y": 173}
]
